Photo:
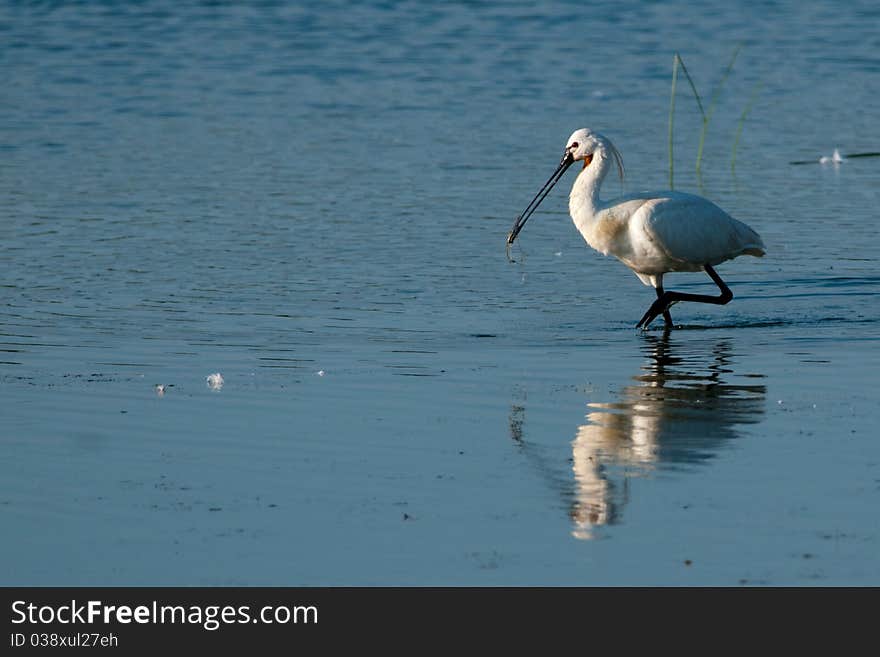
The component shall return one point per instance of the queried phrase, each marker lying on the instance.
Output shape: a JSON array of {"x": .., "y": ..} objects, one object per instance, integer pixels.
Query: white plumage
[{"x": 651, "y": 233}]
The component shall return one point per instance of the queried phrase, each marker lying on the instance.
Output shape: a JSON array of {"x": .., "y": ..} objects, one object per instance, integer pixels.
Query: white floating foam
[{"x": 834, "y": 159}]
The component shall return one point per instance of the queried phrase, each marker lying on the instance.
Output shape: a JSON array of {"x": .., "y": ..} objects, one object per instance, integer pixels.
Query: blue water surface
[{"x": 312, "y": 199}]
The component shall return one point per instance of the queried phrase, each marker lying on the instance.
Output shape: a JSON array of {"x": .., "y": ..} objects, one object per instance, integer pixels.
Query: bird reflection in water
[{"x": 680, "y": 411}]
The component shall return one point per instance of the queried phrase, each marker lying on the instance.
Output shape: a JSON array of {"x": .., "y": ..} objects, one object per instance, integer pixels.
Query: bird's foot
[{"x": 659, "y": 307}]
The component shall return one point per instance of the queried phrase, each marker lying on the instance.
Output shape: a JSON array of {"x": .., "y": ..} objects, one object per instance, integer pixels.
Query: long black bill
[{"x": 521, "y": 220}]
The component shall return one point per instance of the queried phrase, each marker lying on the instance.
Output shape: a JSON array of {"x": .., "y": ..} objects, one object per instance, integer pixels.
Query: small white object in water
[
  {"x": 160, "y": 389},
  {"x": 215, "y": 381},
  {"x": 835, "y": 159},
  {"x": 320, "y": 372}
]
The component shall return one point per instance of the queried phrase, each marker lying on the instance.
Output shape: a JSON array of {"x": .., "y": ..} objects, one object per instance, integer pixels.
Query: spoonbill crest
[{"x": 652, "y": 233}]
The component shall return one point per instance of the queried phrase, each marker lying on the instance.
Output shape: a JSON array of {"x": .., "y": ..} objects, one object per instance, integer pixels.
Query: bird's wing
[{"x": 693, "y": 230}]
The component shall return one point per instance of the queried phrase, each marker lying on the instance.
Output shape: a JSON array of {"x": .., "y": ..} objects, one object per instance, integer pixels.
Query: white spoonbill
[{"x": 652, "y": 233}]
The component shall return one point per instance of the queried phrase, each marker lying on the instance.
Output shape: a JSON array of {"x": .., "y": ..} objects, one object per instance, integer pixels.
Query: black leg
[
  {"x": 666, "y": 316},
  {"x": 666, "y": 299}
]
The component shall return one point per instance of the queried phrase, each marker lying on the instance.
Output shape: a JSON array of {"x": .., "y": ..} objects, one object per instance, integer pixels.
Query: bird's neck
[{"x": 583, "y": 202}]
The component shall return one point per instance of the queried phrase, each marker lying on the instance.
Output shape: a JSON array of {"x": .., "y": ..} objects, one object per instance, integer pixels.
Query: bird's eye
[{"x": 574, "y": 145}]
